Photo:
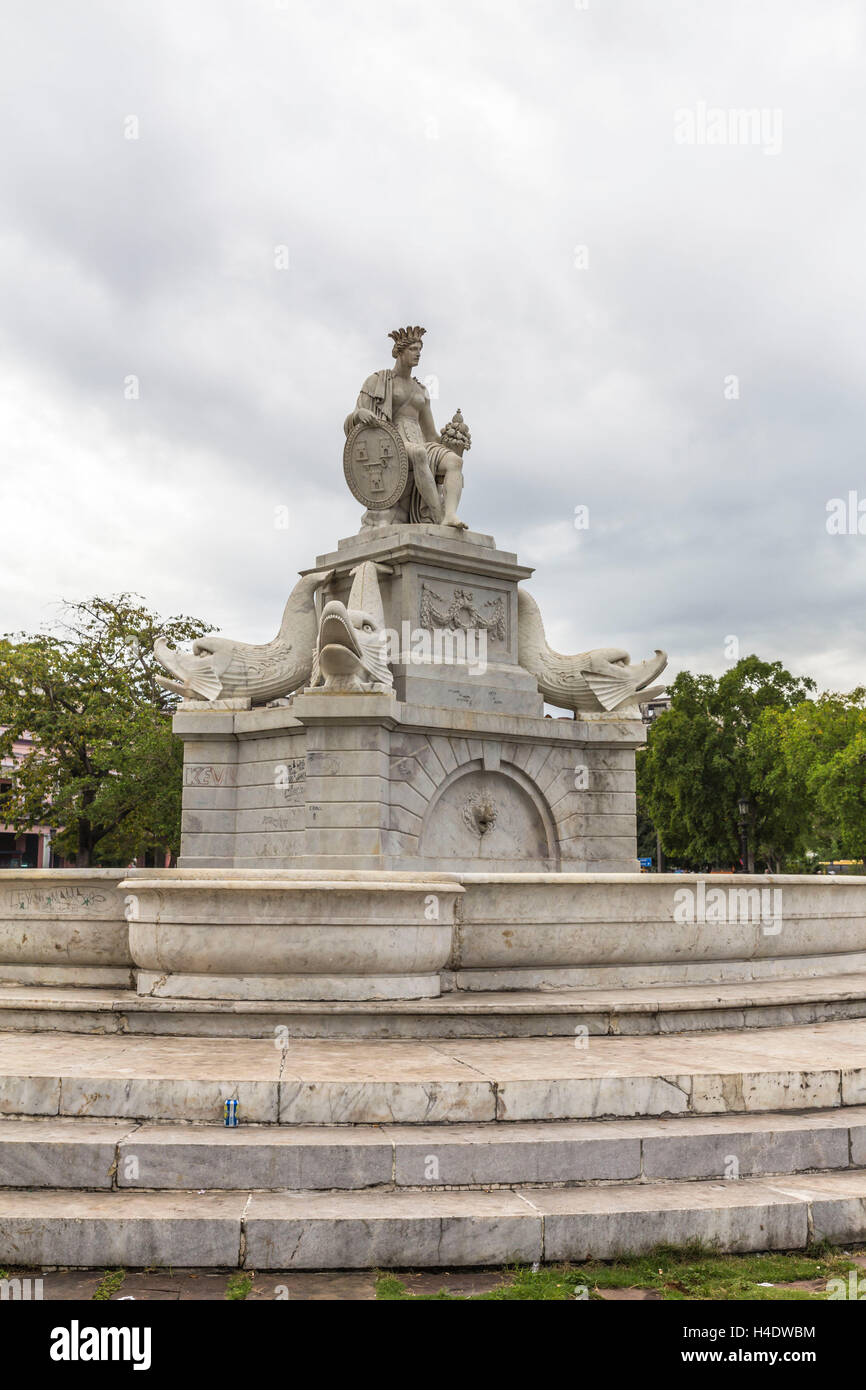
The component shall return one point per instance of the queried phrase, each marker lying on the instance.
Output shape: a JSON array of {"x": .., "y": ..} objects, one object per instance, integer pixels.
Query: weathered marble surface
[
  {"x": 440, "y": 1228},
  {"x": 69, "y": 1152},
  {"x": 58, "y": 924},
  {"x": 463, "y": 1012},
  {"x": 513, "y": 931},
  {"x": 339, "y": 1082},
  {"x": 366, "y": 781},
  {"x": 345, "y": 934},
  {"x": 60, "y": 1153},
  {"x": 316, "y": 1178},
  {"x": 289, "y": 935},
  {"x": 753, "y": 1216},
  {"x": 435, "y": 1228},
  {"x": 435, "y": 581},
  {"x": 594, "y": 929},
  {"x": 153, "y": 1229},
  {"x": 184, "y": 1156},
  {"x": 288, "y": 988}
]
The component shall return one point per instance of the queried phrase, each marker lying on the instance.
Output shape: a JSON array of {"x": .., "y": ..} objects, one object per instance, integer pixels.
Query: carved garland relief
[{"x": 460, "y": 612}]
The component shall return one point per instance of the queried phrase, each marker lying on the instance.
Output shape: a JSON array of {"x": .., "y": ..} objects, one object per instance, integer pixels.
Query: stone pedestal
[
  {"x": 369, "y": 782},
  {"x": 451, "y": 603},
  {"x": 456, "y": 769}
]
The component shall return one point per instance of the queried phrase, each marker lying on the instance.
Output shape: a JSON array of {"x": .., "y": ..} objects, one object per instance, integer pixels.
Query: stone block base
[
  {"x": 283, "y": 936},
  {"x": 288, "y": 987},
  {"x": 353, "y": 781}
]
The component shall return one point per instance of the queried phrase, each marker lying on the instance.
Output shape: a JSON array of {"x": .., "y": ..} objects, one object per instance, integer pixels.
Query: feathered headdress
[{"x": 404, "y": 337}]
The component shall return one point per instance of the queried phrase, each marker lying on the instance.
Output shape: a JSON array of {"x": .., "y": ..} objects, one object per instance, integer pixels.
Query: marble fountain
[{"x": 407, "y": 933}]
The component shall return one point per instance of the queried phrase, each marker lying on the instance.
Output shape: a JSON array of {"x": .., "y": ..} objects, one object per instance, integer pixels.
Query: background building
[
  {"x": 31, "y": 850},
  {"x": 654, "y": 708}
]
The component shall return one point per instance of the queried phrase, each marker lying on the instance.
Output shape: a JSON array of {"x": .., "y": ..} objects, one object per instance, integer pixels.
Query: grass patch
[
  {"x": 239, "y": 1286},
  {"x": 692, "y": 1273},
  {"x": 111, "y": 1281}
]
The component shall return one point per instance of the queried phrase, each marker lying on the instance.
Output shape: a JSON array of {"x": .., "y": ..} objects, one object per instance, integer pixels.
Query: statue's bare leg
[
  {"x": 425, "y": 482},
  {"x": 452, "y": 488},
  {"x": 387, "y": 516}
]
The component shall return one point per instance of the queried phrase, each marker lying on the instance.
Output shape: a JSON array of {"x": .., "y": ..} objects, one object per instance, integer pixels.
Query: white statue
[
  {"x": 220, "y": 668},
  {"x": 588, "y": 682},
  {"x": 351, "y": 652},
  {"x": 395, "y": 461}
]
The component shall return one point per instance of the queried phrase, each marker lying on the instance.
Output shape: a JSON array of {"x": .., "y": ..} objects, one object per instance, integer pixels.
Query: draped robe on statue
[{"x": 377, "y": 395}]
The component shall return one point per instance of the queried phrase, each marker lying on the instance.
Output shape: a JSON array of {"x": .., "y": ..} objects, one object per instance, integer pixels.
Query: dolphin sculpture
[
  {"x": 220, "y": 668},
  {"x": 351, "y": 651},
  {"x": 589, "y": 682}
]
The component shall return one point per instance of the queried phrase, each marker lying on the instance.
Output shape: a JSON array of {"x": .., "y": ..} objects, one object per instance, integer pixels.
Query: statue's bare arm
[
  {"x": 428, "y": 428},
  {"x": 361, "y": 415}
]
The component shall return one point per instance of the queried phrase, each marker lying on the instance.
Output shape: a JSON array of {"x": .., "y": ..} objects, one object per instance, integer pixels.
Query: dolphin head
[
  {"x": 345, "y": 635},
  {"x": 351, "y": 649}
]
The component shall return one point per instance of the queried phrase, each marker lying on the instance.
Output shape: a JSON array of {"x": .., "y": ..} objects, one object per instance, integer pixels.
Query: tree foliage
[
  {"x": 811, "y": 760},
  {"x": 700, "y": 762},
  {"x": 105, "y": 770}
]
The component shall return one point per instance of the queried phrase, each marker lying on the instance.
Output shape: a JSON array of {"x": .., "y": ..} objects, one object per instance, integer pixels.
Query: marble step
[
  {"x": 120, "y": 1154},
  {"x": 359, "y": 1230},
  {"x": 637, "y": 1010},
  {"x": 322, "y": 1081},
  {"x": 689, "y": 969}
]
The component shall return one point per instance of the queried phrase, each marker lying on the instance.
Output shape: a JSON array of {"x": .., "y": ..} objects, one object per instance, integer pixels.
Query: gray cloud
[{"x": 440, "y": 164}]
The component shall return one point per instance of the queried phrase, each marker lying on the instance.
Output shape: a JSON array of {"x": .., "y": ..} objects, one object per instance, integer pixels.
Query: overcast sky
[{"x": 632, "y": 316}]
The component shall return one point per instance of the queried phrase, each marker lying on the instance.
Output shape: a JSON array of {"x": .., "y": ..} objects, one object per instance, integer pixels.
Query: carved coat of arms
[{"x": 376, "y": 465}]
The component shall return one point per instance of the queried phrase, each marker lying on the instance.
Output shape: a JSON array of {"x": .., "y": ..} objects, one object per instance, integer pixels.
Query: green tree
[
  {"x": 646, "y": 837},
  {"x": 698, "y": 765},
  {"x": 812, "y": 761},
  {"x": 105, "y": 770}
]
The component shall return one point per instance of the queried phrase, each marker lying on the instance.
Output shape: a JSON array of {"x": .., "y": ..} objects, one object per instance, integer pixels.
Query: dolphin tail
[
  {"x": 612, "y": 691},
  {"x": 196, "y": 674},
  {"x": 365, "y": 595}
]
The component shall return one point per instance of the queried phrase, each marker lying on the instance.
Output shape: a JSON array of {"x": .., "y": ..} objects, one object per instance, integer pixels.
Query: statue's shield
[{"x": 376, "y": 465}]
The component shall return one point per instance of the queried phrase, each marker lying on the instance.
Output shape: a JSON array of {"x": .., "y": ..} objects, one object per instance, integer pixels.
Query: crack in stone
[
  {"x": 242, "y": 1243},
  {"x": 676, "y": 1084}
]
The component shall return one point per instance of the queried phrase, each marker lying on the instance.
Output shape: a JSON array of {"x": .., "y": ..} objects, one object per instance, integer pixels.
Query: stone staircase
[
  {"x": 832, "y": 992},
  {"x": 439, "y": 1151}
]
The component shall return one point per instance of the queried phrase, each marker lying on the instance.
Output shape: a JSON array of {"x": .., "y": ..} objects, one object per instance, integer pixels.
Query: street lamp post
[{"x": 745, "y": 808}]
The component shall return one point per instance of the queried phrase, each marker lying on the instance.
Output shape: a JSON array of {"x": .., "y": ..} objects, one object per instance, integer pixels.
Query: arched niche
[{"x": 480, "y": 815}]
